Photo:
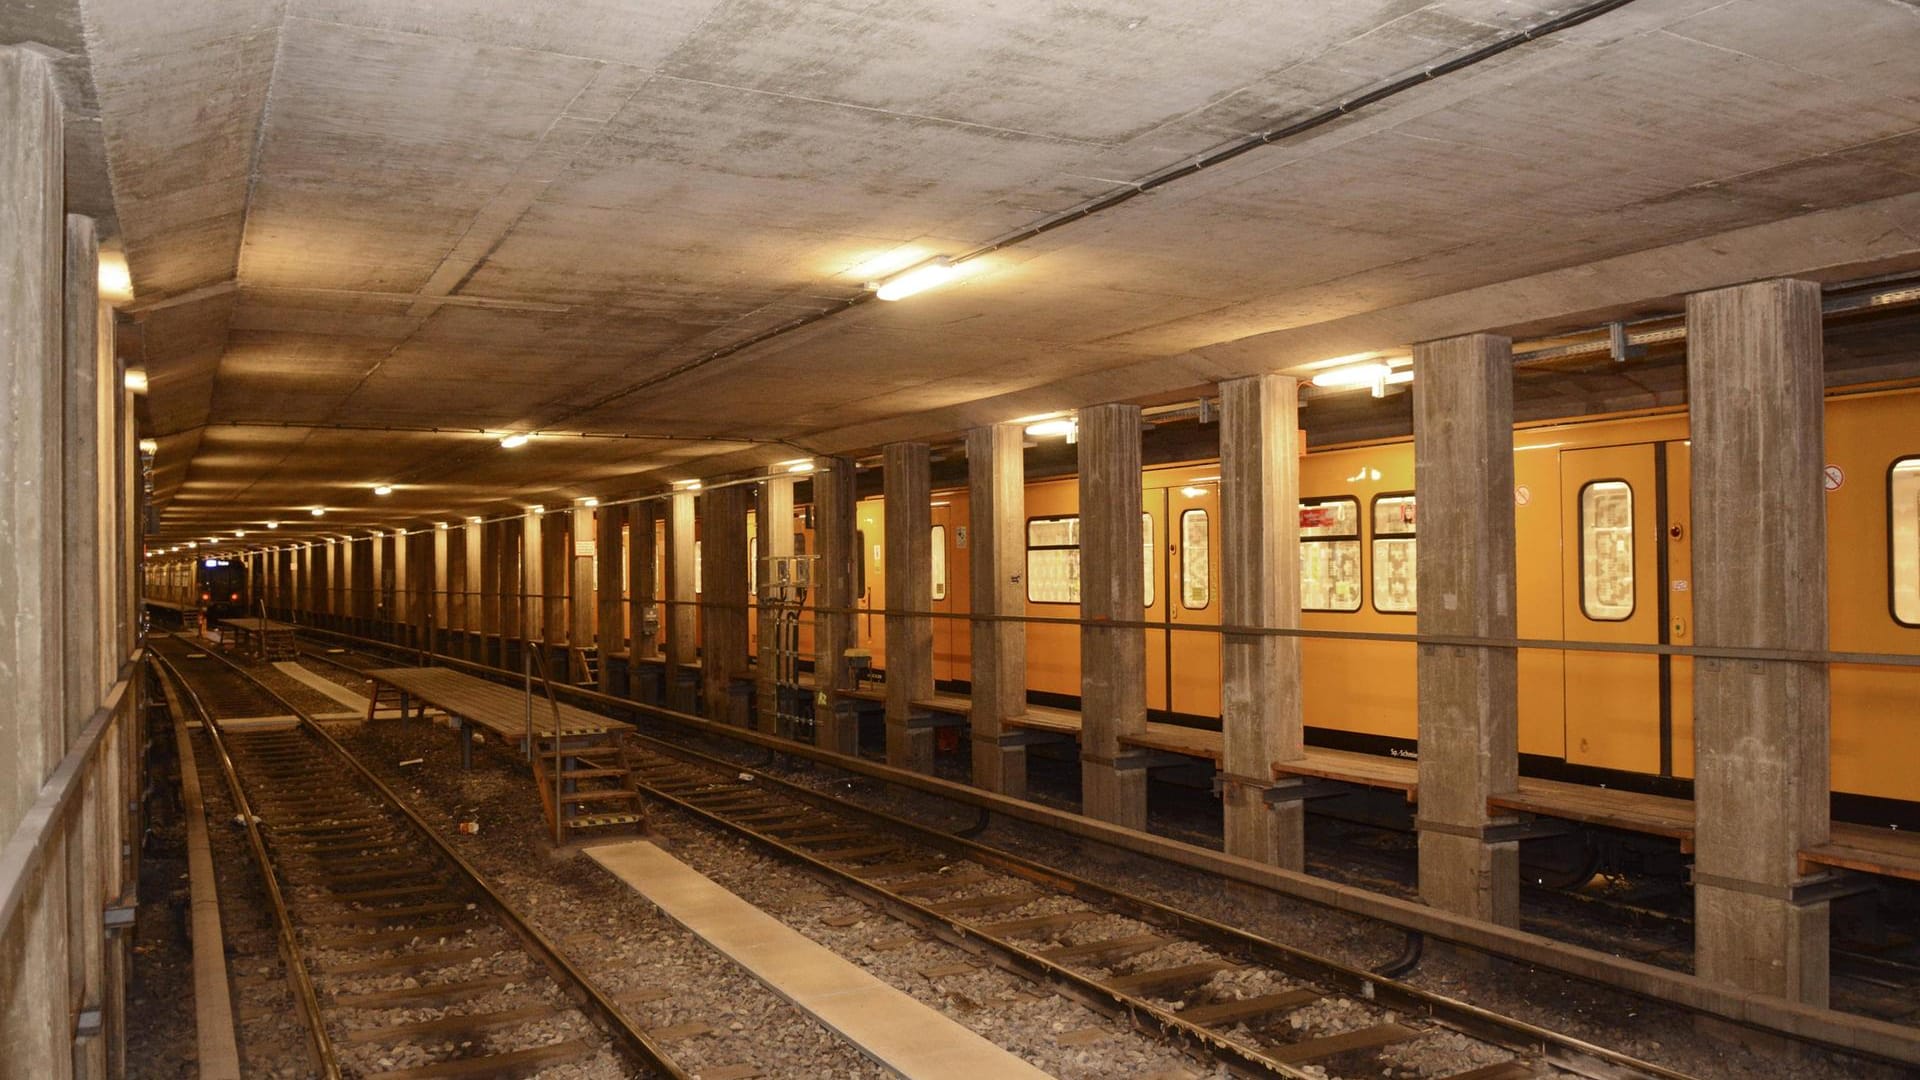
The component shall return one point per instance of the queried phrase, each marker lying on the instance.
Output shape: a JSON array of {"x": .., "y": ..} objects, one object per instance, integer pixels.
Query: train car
[
  {"x": 225, "y": 587},
  {"x": 1604, "y": 554}
]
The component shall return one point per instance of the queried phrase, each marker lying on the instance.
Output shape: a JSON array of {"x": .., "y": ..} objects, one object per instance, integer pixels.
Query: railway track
[
  {"x": 1253, "y": 1004},
  {"x": 403, "y": 963}
]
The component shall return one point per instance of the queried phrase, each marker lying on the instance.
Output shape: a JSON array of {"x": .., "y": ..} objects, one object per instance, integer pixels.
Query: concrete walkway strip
[
  {"x": 356, "y": 702},
  {"x": 895, "y": 1030}
]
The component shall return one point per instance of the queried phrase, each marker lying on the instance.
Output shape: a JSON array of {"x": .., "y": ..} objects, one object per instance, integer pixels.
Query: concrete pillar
[
  {"x": 1754, "y": 385},
  {"x": 609, "y": 615},
  {"x": 87, "y": 605},
  {"x": 723, "y": 596},
  {"x": 511, "y": 590},
  {"x": 556, "y": 604},
  {"x": 1260, "y": 697},
  {"x": 909, "y": 569},
  {"x": 492, "y": 573},
  {"x": 680, "y": 618},
  {"x": 471, "y": 583},
  {"x": 1469, "y": 695},
  {"x": 448, "y": 611},
  {"x": 1113, "y": 660},
  {"x": 308, "y": 590},
  {"x": 835, "y": 532},
  {"x": 997, "y": 510},
  {"x": 533, "y": 579},
  {"x": 333, "y": 579},
  {"x": 581, "y": 585},
  {"x": 34, "y": 1022},
  {"x": 380, "y": 581},
  {"x": 642, "y": 558},
  {"x": 773, "y": 519},
  {"x": 401, "y": 611}
]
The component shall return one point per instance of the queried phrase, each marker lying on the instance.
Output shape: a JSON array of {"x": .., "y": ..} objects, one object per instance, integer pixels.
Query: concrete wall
[{"x": 68, "y": 739}]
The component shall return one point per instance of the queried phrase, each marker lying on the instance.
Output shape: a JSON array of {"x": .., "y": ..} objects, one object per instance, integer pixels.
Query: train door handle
[{"x": 1679, "y": 626}]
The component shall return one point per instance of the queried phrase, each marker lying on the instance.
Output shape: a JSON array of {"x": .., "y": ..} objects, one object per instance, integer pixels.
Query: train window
[
  {"x": 1195, "y": 551},
  {"x": 1903, "y": 535},
  {"x": 1053, "y": 560},
  {"x": 939, "y": 562},
  {"x": 1147, "y": 554},
  {"x": 1394, "y": 590},
  {"x": 1606, "y": 550},
  {"x": 1330, "y": 554}
]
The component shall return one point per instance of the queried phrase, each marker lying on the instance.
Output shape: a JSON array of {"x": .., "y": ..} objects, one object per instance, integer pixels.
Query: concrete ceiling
[{"x": 352, "y": 222}]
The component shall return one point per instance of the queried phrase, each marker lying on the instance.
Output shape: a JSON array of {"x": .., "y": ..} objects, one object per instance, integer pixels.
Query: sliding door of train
[
  {"x": 1191, "y": 601},
  {"x": 1156, "y": 552},
  {"x": 1613, "y": 506},
  {"x": 952, "y": 638}
]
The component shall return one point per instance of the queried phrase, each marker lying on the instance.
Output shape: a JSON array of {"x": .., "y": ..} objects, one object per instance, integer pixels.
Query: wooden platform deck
[
  {"x": 277, "y": 639},
  {"x": 500, "y": 709},
  {"x": 1630, "y": 811},
  {"x": 1351, "y": 767}
]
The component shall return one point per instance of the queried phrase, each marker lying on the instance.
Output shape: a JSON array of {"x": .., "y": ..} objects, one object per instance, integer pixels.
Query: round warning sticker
[
  {"x": 1833, "y": 477},
  {"x": 1522, "y": 495}
]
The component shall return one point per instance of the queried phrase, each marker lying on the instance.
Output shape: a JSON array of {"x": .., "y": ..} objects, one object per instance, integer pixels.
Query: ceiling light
[
  {"x": 193, "y": 543},
  {"x": 537, "y": 509},
  {"x": 1352, "y": 376},
  {"x": 441, "y": 525},
  {"x": 589, "y": 501},
  {"x": 800, "y": 467},
  {"x": 273, "y": 524},
  {"x": 515, "y": 440},
  {"x": 239, "y": 532},
  {"x": 1054, "y": 428},
  {"x": 474, "y": 520},
  {"x": 149, "y": 446},
  {"x": 115, "y": 281},
  {"x": 383, "y": 489},
  {"x": 319, "y": 511},
  {"x": 930, "y": 274},
  {"x": 135, "y": 379},
  {"x": 1399, "y": 377}
]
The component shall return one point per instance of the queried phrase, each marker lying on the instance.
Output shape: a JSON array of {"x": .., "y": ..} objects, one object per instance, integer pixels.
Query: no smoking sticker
[
  {"x": 1833, "y": 477},
  {"x": 1522, "y": 495}
]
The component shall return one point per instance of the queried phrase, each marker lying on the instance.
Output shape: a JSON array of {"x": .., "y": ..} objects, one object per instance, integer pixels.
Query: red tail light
[
  {"x": 206, "y": 596},
  {"x": 235, "y": 596}
]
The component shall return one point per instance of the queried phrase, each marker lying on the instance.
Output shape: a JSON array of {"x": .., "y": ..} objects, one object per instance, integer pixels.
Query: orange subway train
[{"x": 1604, "y": 554}]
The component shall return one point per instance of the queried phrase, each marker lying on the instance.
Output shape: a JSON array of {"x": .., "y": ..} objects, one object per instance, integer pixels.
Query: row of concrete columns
[
  {"x": 70, "y": 577},
  {"x": 1760, "y": 725}
]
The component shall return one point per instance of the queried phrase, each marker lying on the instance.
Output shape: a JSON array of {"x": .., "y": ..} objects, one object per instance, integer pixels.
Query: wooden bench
[
  {"x": 1628, "y": 811},
  {"x": 500, "y": 709},
  {"x": 1871, "y": 850},
  {"x": 1352, "y": 767},
  {"x": 276, "y": 639}
]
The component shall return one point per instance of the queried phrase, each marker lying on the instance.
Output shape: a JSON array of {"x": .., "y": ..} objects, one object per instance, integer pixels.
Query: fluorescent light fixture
[
  {"x": 1054, "y": 428},
  {"x": 442, "y": 525},
  {"x": 589, "y": 501},
  {"x": 383, "y": 489},
  {"x": 319, "y": 511},
  {"x": 273, "y": 524},
  {"x": 239, "y": 532},
  {"x": 800, "y": 467},
  {"x": 135, "y": 379},
  {"x": 1352, "y": 376},
  {"x": 473, "y": 520},
  {"x": 515, "y": 440},
  {"x": 930, "y": 274},
  {"x": 687, "y": 485},
  {"x": 149, "y": 446},
  {"x": 1399, "y": 377},
  {"x": 193, "y": 543}
]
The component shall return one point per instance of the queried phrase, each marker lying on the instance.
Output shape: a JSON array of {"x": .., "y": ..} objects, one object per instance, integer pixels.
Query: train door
[
  {"x": 945, "y": 631},
  {"x": 1611, "y": 591},
  {"x": 1192, "y": 589},
  {"x": 1677, "y": 540},
  {"x": 1156, "y": 551}
]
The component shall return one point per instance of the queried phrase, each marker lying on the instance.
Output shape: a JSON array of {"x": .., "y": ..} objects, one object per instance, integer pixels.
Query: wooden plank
[
  {"x": 1178, "y": 739},
  {"x": 411, "y": 961},
  {"x": 1328, "y": 1045},
  {"x": 1036, "y": 923},
  {"x": 1349, "y": 767},
  {"x": 490, "y": 705},
  {"x": 1105, "y": 950},
  {"x": 1503, "y": 1070},
  {"x": 1632, "y": 811},
  {"x": 416, "y": 996},
  {"x": 517, "y": 1063},
  {"x": 1869, "y": 850},
  {"x": 1163, "y": 980},
  {"x": 1228, "y": 1013},
  {"x": 451, "y": 1025}
]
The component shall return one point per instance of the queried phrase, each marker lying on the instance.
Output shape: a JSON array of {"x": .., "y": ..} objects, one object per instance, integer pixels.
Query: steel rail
[
  {"x": 602, "y": 1009},
  {"x": 1763, "y": 1012},
  {"x": 1563, "y": 1051},
  {"x": 291, "y": 953}
]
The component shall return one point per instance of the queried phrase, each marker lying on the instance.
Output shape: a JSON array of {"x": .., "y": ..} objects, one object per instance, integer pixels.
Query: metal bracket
[
  {"x": 1303, "y": 788},
  {"x": 88, "y": 1023},
  {"x": 120, "y": 914},
  {"x": 1141, "y": 757},
  {"x": 1820, "y": 889},
  {"x": 1528, "y": 828}
]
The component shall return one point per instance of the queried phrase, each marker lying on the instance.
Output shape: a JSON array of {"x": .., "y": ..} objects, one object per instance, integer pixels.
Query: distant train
[
  {"x": 1604, "y": 554},
  {"x": 219, "y": 586}
]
